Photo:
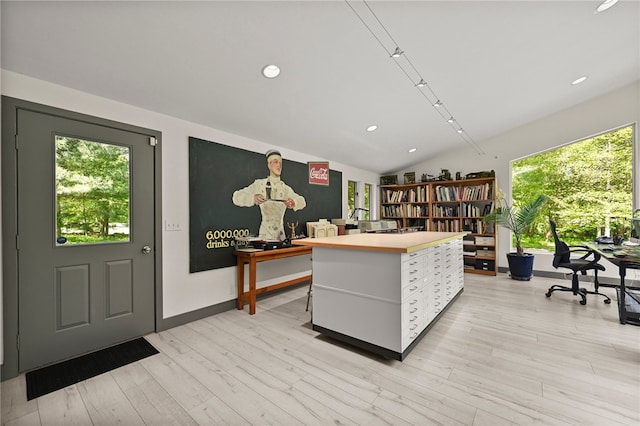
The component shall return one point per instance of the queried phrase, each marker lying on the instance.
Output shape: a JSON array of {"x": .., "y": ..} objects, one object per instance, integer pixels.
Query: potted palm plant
[{"x": 518, "y": 219}]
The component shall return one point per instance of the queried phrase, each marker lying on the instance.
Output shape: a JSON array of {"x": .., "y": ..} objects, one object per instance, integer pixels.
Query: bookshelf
[
  {"x": 407, "y": 204},
  {"x": 448, "y": 206}
]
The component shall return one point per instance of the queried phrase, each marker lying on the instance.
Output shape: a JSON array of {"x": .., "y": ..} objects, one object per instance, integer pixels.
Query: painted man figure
[{"x": 273, "y": 197}]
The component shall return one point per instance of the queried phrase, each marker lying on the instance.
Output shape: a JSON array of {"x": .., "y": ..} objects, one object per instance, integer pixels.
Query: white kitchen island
[{"x": 383, "y": 292}]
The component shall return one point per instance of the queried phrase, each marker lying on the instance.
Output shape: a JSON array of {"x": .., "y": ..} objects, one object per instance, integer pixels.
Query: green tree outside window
[{"x": 589, "y": 184}]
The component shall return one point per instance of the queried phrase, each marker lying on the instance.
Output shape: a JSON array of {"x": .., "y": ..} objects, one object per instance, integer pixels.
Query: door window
[{"x": 92, "y": 192}]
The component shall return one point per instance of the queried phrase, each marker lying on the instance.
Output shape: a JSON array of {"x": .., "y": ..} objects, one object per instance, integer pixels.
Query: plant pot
[{"x": 520, "y": 267}]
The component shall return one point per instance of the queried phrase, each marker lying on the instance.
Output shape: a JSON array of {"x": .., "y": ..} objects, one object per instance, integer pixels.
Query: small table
[
  {"x": 252, "y": 258},
  {"x": 624, "y": 257}
]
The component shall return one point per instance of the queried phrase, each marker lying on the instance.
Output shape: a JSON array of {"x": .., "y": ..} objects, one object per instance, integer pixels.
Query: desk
[
  {"x": 624, "y": 257},
  {"x": 252, "y": 258}
]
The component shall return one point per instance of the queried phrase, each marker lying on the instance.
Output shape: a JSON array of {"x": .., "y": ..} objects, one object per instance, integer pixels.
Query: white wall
[
  {"x": 182, "y": 292},
  {"x": 613, "y": 110}
]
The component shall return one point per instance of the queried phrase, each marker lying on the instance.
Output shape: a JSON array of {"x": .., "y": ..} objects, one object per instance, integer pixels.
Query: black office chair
[{"x": 562, "y": 259}]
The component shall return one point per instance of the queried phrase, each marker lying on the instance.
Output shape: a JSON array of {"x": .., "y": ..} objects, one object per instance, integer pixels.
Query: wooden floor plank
[{"x": 503, "y": 354}]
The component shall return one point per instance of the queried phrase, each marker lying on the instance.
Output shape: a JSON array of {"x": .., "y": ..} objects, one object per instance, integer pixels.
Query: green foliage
[
  {"x": 517, "y": 218},
  {"x": 367, "y": 201},
  {"x": 92, "y": 186},
  {"x": 351, "y": 196},
  {"x": 588, "y": 184}
]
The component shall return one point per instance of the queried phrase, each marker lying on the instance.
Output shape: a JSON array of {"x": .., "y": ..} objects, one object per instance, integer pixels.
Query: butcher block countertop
[{"x": 404, "y": 242}]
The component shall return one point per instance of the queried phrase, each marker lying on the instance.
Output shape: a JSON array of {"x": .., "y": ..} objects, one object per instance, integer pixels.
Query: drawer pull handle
[
  {"x": 413, "y": 302},
  {"x": 414, "y": 335},
  {"x": 413, "y": 311},
  {"x": 413, "y": 318},
  {"x": 413, "y": 327},
  {"x": 413, "y": 288}
]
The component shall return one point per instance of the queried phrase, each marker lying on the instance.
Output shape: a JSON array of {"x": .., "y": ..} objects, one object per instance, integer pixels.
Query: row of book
[
  {"x": 477, "y": 226},
  {"x": 444, "y": 211},
  {"x": 464, "y": 193},
  {"x": 391, "y": 211},
  {"x": 477, "y": 192},
  {"x": 413, "y": 195},
  {"x": 440, "y": 193},
  {"x": 416, "y": 210},
  {"x": 410, "y": 210},
  {"x": 446, "y": 193},
  {"x": 446, "y": 225},
  {"x": 475, "y": 210}
]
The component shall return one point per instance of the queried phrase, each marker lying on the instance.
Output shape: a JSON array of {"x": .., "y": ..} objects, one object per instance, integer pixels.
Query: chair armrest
[{"x": 588, "y": 252}]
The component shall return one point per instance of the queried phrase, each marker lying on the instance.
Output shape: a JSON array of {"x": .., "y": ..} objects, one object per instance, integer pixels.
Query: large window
[{"x": 589, "y": 184}]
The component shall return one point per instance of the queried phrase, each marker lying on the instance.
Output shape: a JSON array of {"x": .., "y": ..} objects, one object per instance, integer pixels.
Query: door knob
[{"x": 146, "y": 249}]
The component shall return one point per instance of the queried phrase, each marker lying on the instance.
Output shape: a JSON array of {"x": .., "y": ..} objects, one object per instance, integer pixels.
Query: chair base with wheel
[
  {"x": 580, "y": 291},
  {"x": 588, "y": 262}
]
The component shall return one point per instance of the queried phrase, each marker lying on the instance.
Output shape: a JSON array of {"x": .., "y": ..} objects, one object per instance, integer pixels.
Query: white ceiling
[{"x": 494, "y": 65}]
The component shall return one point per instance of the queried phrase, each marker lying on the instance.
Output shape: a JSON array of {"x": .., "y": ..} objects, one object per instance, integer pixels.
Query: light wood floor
[{"x": 503, "y": 354}]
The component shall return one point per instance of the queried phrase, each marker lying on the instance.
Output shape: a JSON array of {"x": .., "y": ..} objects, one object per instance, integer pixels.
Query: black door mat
[{"x": 58, "y": 376}]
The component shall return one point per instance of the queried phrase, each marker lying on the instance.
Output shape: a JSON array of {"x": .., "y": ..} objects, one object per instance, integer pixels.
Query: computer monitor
[{"x": 635, "y": 230}]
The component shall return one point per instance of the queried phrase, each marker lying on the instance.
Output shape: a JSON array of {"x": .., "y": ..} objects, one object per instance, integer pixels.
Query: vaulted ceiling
[{"x": 493, "y": 65}]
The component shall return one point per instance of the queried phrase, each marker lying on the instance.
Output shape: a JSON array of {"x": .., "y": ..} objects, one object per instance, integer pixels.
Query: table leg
[
  {"x": 252, "y": 286},
  {"x": 240, "y": 283},
  {"x": 622, "y": 311}
]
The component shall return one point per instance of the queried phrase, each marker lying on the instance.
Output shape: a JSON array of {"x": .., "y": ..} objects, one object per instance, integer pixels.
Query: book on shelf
[
  {"x": 446, "y": 193},
  {"x": 478, "y": 192}
]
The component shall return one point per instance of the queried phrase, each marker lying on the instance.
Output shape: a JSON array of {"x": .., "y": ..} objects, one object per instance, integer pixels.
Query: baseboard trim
[
  {"x": 208, "y": 311},
  {"x": 606, "y": 281}
]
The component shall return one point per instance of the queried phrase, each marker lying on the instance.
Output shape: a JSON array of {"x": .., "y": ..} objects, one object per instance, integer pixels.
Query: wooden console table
[{"x": 252, "y": 258}]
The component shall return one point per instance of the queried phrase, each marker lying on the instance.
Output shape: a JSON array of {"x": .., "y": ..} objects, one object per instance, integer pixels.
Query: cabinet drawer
[
  {"x": 412, "y": 288},
  {"x": 414, "y": 306},
  {"x": 412, "y": 326},
  {"x": 485, "y": 241},
  {"x": 486, "y": 265},
  {"x": 412, "y": 333},
  {"x": 413, "y": 264},
  {"x": 413, "y": 270},
  {"x": 413, "y": 277}
]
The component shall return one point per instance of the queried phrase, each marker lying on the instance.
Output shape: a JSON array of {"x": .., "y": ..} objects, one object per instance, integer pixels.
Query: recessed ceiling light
[
  {"x": 579, "y": 80},
  {"x": 437, "y": 104},
  {"x": 271, "y": 71},
  {"x": 606, "y": 4},
  {"x": 460, "y": 130},
  {"x": 372, "y": 128},
  {"x": 413, "y": 149}
]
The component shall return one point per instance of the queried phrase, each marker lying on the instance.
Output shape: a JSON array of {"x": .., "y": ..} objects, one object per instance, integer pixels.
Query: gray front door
[{"x": 85, "y": 237}]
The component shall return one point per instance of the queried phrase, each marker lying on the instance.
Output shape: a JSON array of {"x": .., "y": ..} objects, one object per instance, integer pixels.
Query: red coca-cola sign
[{"x": 319, "y": 172}]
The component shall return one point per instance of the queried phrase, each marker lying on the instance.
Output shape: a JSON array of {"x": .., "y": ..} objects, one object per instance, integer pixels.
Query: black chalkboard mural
[{"x": 217, "y": 216}]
